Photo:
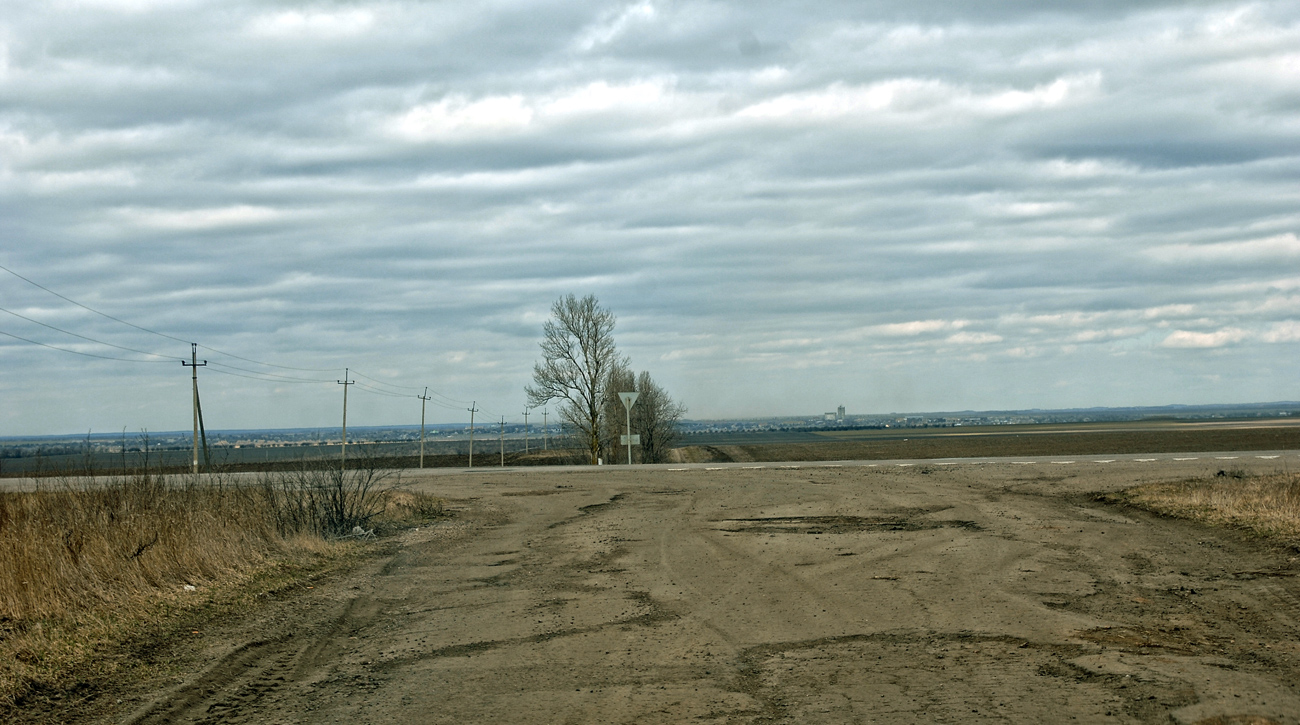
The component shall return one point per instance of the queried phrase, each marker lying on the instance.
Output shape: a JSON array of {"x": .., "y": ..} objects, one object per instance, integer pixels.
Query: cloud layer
[{"x": 890, "y": 206}]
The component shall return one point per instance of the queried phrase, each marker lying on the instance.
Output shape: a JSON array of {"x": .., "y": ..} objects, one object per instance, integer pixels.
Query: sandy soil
[{"x": 960, "y": 593}]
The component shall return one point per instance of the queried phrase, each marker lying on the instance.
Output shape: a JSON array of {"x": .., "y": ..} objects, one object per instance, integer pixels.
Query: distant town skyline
[{"x": 887, "y": 206}]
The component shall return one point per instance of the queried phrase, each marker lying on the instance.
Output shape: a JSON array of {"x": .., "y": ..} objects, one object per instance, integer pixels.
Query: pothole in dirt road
[
  {"x": 1173, "y": 639},
  {"x": 589, "y": 509},
  {"x": 598, "y": 507},
  {"x": 837, "y": 524}
]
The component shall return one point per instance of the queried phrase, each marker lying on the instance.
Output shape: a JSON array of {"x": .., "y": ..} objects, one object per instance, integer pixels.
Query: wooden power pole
[
  {"x": 424, "y": 399},
  {"x": 194, "y": 366},
  {"x": 343, "y": 449},
  {"x": 473, "y": 408}
]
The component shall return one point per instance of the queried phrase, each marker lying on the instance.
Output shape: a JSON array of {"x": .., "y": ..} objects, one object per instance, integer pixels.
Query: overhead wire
[
  {"x": 299, "y": 381},
  {"x": 387, "y": 393},
  {"x": 377, "y": 391},
  {"x": 88, "y": 339},
  {"x": 436, "y": 398},
  {"x": 84, "y": 354},
  {"x": 267, "y": 364},
  {"x": 430, "y": 392},
  {"x": 381, "y": 382},
  {"x": 271, "y": 375},
  {"x": 91, "y": 309},
  {"x": 155, "y": 332}
]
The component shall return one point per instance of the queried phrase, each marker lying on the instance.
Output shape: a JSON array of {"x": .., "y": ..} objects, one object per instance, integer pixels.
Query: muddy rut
[{"x": 958, "y": 594}]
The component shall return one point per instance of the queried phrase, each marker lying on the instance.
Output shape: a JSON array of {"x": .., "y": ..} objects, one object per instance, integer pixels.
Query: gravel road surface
[{"x": 1001, "y": 591}]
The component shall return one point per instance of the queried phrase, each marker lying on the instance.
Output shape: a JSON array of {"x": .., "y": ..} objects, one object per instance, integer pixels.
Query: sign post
[{"x": 628, "y": 399}]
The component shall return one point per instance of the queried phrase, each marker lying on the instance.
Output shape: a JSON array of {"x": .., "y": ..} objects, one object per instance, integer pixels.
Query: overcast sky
[{"x": 893, "y": 206}]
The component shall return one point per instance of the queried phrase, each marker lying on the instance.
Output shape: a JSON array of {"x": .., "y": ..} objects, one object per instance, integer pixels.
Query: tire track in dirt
[{"x": 256, "y": 671}]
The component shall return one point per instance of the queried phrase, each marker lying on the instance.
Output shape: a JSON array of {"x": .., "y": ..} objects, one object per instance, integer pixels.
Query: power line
[
  {"x": 88, "y": 339},
  {"x": 84, "y": 307},
  {"x": 267, "y": 364},
  {"x": 298, "y": 381},
  {"x": 381, "y": 382},
  {"x": 449, "y": 399},
  {"x": 377, "y": 391},
  {"x": 439, "y": 399},
  {"x": 273, "y": 375},
  {"x": 153, "y": 332},
  {"x": 85, "y": 354},
  {"x": 445, "y": 405},
  {"x": 453, "y": 402}
]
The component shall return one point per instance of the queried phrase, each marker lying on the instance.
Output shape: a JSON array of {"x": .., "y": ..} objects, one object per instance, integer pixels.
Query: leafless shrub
[{"x": 327, "y": 501}]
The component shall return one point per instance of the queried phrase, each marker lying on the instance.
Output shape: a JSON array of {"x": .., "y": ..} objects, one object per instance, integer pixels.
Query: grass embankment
[
  {"x": 86, "y": 569},
  {"x": 1266, "y": 505}
]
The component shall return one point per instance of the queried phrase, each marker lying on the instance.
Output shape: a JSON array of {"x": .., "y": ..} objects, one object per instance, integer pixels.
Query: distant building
[
  {"x": 839, "y": 414},
  {"x": 828, "y": 416}
]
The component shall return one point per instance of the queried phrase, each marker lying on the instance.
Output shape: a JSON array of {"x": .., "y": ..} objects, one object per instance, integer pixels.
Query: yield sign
[{"x": 628, "y": 399}]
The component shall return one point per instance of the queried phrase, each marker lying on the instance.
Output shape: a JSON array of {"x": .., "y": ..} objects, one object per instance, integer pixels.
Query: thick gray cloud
[{"x": 893, "y": 206}]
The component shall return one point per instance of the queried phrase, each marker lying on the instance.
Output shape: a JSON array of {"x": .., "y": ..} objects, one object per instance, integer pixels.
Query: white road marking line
[
  {"x": 1266, "y": 457},
  {"x": 832, "y": 465},
  {"x": 1226, "y": 458},
  {"x": 679, "y": 469},
  {"x": 1144, "y": 460},
  {"x": 1184, "y": 459},
  {"x": 1108, "y": 460},
  {"x": 904, "y": 465},
  {"x": 1063, "y": 462},
  {"x": 715, "y": 468},
  {"x": 1023, "y": 463},
  {"x": 751, "y": 468}
]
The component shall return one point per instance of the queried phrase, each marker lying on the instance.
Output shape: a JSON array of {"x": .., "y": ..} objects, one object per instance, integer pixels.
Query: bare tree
[
  {"x": 654, "y": 416},
  {"x": 578, "y": 354}
]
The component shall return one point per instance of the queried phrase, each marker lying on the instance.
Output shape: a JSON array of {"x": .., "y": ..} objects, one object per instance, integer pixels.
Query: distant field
[
  {"x": 1155, "y": 436},
  {"x": 1147, "y": 436}
]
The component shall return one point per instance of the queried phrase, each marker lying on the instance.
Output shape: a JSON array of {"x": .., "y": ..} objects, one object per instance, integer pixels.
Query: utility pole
[
  {"x": 546, "y": 432},
  {"x": 424, "y": 400},
  {"x": 473, "y": 408},
  {"x": 525, "y": 431},
  {"x": 503, "y": 441},
  {"x": 343, "y": 450},
  {"x": 194, "y": 366}
]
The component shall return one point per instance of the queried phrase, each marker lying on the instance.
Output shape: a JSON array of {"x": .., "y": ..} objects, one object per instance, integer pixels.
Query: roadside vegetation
[
  {"x": 583, "y": 371},
  {"x": 1267, "y": 505},
  {"x": 87, "y": 565}
]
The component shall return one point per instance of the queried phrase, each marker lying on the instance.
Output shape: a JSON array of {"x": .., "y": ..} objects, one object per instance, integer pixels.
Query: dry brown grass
[
  {"x": 400, "y": 506},
  {"x": 83, "y": 567},
  {"x": 1268, "y": 505}
]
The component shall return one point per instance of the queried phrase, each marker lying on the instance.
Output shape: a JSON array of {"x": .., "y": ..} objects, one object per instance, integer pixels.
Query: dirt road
[{"x": 962, "y": 593}]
